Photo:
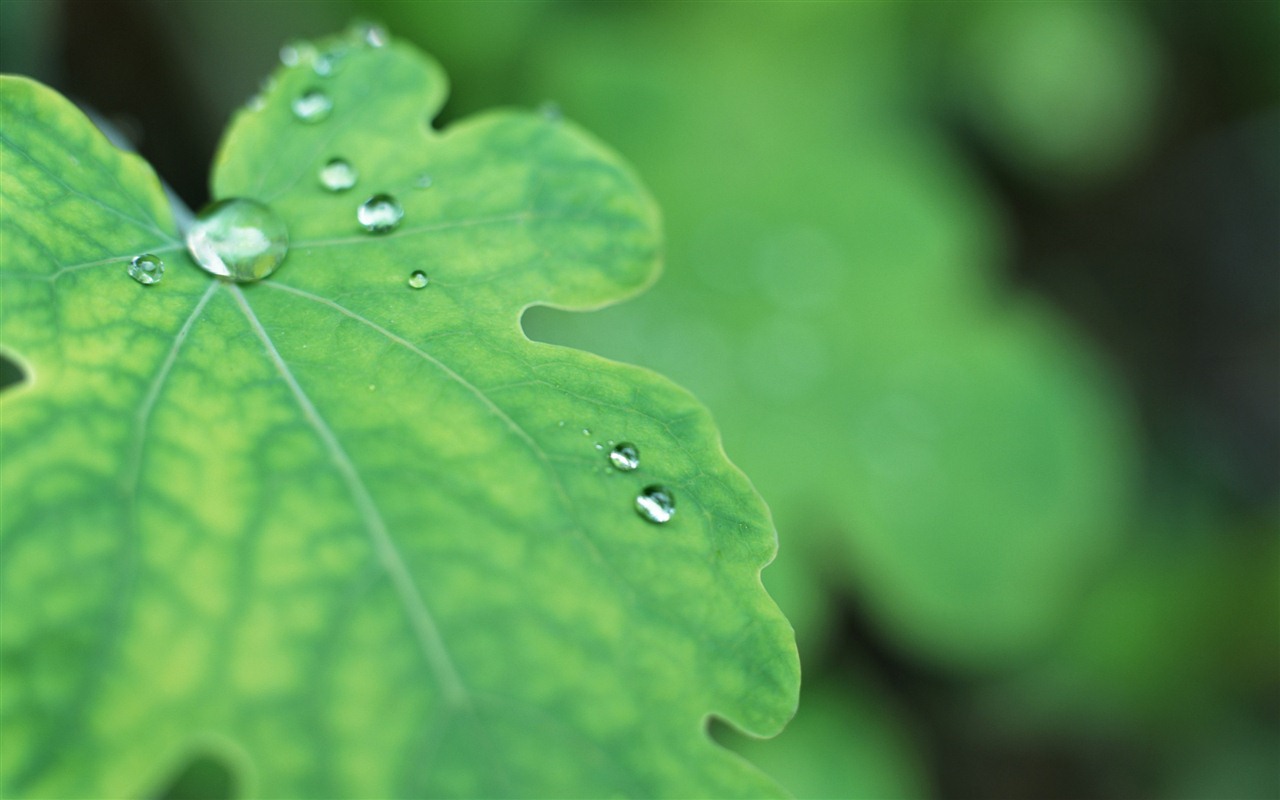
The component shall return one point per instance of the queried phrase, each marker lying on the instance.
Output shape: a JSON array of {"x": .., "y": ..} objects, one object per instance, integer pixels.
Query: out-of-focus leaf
[
  {"x": 844, "y": 744},
  {"x": 832, "y": 297},
  {"x": 1067, "y": 91}
]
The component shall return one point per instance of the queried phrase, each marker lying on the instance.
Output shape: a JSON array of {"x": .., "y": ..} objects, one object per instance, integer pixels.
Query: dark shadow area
[
  {"x": 142, "y": 89},
  {"x": 11, "y": 373},
  {"x": 203, "y": 777},
  {"x": 1171, "y": 268}
]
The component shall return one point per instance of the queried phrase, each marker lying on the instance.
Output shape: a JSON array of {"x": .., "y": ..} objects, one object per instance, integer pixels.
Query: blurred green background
[{"x": 986, "y": 299}]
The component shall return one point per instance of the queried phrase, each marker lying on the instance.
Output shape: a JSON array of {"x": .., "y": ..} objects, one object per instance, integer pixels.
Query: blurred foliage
[{"x": 1051, "y": 542}]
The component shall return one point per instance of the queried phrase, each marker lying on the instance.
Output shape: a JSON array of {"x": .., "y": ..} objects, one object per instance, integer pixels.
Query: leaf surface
[{"x": 343, "y": 536}]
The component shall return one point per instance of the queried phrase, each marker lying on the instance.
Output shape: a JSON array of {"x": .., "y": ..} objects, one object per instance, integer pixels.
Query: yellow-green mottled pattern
[{"x": 349, "y": 537}]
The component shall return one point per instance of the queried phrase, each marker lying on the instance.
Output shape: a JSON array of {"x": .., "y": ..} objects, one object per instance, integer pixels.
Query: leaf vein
[{"x": 420, "y": 617}]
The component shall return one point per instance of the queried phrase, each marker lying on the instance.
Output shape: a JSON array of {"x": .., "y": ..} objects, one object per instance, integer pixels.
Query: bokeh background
[{"x": 986, "y": 299}]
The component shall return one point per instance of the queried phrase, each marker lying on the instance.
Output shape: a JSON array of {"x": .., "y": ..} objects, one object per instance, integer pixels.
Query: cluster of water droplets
[
  {"x": 655, "y": 503},
  {"x": 381, "y": 212}
]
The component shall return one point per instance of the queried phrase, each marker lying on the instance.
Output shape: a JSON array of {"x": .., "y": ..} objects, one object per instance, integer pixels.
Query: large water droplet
[
  {"x": 146, "y": 269},
  {"x": 380, "y": 213},
  {"x": 312, "y": 105},
  {"x": 625, "y": 456},
  {"x": 656, "y": 504},
  {"x": 337, "y": 175},
  {"x": 238, "y": 239},
  {"x": 418, "y": 279}
]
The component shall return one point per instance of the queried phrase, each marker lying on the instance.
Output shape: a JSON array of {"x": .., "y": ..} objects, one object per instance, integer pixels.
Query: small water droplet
[
  {"x": 238, "y": 238},
  {"x": 146, "y": 269},
  {"x": 656, "y": 504},
  {"x": 551, "y": 111},
  {"x": 296, "y": 52},
  {"x": 371, "y": 33},
  {"x": 337, "y": 175},
  {"x": 380, "y": 213},
  {"x": 418, "y": 279},
  {"x": 586, "y": 431},
  {"x": 625, "y": 457},
  {"x": 327, "y": 63},
  {"x": 423, "y": 181},
  {"x": 312, "y": 105},
  {"x": 599, "y": 446},
  {"x": 560, "y": 423}
]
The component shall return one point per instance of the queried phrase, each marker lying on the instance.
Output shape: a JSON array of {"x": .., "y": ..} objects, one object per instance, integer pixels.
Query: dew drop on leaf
[
  {"x": 551, "y": 111},
  {"x": 239, "y": 239},
  {"x": 371, "y": 34},
  {"x": 656, "y": 504},
  {"x": 296, "y": 52},
  {"x": 337, "y": 175},
  {"x": 327, "y": 63},
  {"x": 418, "y": 279},
  {"x": 380, "y": 213},
  {"x": 625, "y": 457},
  {"x": 423, "y": 181},
  {"x": 146, "y": 269},
  {"x": 312, "y": 105}
]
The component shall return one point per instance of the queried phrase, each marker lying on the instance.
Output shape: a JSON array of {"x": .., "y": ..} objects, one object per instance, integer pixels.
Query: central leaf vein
[{"x": 420, "y": 617}]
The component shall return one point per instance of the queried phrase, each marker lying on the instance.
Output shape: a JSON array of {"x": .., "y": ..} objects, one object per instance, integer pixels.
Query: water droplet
[
  {"x": 146, "y": 269},
  {"x": 560, "y": 423},
  {"x": 551, "y": 111},
  {"x": 312, "y": 105},
  {"x": 295, "y": 53},
  {"x": 586, "y": 431},
  {"x": 423, "y": 181},
  {"x": 418, "y": 279},
  {"x": 599, "y": 446},
  {"x": 256, "y": 103},
  {"x": 380, "y": 213},
  {"x": 371, "y": 33},
  {"x": 327, "y": 63},
  {"x": 656, "y": 504},
  {"x": 337, "y": 175},
  {"x": 625, "y": 457},
  {"x": 239, "y": 239}
]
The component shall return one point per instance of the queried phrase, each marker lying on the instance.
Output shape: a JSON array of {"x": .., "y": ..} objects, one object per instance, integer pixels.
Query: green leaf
[
  {"x": 1067, "y": 93},
  {"x": 338, "y": 536}
]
